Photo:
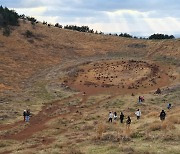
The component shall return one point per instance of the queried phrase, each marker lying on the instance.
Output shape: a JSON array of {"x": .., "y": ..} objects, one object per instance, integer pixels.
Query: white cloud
[
  {"x": 142, "y": 17},
  {"x": 37, "y": 11}
]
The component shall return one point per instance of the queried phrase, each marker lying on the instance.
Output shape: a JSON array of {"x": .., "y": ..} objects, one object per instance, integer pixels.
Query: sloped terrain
[{"x": 71, "y": 80}]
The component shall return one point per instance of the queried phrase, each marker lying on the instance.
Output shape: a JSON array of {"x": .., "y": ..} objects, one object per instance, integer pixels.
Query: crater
[{"x": 123, "y": 77}]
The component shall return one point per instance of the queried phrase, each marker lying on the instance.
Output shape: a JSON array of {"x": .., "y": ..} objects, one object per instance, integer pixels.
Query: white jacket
[
  {"x": 111, "y": 115},
  {"x": 138, "y": 113}
]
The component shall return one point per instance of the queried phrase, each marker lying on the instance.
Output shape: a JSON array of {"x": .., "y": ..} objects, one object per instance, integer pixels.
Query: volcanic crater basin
[{"x": 113, "y": 76}]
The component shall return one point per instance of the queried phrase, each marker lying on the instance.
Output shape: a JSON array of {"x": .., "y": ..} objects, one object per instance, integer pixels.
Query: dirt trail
[
  {"x": 62, "y": 109},
  {"x": 37, "y": 122}
]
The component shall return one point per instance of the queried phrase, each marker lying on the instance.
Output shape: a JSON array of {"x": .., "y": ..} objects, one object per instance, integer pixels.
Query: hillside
[
  {"x": 51, "y": 46},
  {"x": 71, "y": 80}
]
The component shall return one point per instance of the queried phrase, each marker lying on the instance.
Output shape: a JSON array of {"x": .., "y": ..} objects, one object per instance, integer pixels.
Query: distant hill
[{"x": 34, "y": 47}]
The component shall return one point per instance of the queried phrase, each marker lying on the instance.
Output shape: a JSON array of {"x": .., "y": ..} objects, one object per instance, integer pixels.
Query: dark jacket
[
  {"x": 162, "y": 114},
  {"x": 28, "y": 113},
  {"x": 121, "y": 116},
  {"x": 24, "y": 113},
  {"x": 128, "y": 121}
]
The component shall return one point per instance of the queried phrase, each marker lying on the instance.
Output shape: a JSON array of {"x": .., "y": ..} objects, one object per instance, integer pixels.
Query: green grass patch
[
  {"x": 167, "y": 59},
  {"x": 126, "y": 54},
  {"x": 112, "y": 149}
]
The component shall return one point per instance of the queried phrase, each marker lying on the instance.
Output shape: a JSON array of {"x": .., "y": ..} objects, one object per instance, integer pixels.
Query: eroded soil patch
[{"x": 118, "y": 76}]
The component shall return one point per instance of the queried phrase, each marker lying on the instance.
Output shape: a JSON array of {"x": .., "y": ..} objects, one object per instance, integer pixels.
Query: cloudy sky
[{"x": 136, "y": 17}]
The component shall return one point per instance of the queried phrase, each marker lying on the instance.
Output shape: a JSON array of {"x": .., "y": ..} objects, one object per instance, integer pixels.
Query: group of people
[
  {"x": 163, "y": 113},
  {"x": 26, "y": 115},
  {"x": 128, "y": 121},
  {"x": 121, "y": 117}
]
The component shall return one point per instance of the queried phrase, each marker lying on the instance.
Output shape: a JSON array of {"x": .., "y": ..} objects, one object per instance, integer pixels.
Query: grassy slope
[
  {"x": 24, "y": 65},
  {"x": 24, "y": 56}
]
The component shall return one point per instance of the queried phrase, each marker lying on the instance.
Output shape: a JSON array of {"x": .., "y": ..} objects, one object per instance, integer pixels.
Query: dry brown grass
[
  {"x": 101, "y": 128},
  {"x": 157, "y": 126},
  {"x": 75, "y": 131},
  {"x": 174, "y": 119},
  {"x": 153, "y": 114},
  {"x": 74, "y": 151},
  {"x": 167, "y": 125}
]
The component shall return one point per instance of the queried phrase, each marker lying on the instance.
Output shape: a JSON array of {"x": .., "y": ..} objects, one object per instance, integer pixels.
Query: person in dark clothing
[
  {"x": 128, "y": 122},
  {"x": 24, "y": 115},
  {"x": 162, "y": 115},
  {"x": 140, "y": 99},
  {"x": 110, "y": 116},
  {"x": 169, "y": 106},
  {"x": 121, "y": 117}
]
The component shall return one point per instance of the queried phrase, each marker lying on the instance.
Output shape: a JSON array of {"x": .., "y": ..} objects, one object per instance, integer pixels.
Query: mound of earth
[{"x": 117, "y": 76}]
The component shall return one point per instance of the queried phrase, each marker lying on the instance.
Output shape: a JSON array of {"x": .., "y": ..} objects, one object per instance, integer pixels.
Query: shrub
[
  {"x": 58, "y": 25},
  {"x": 2, "y": 145},
  {"x": 32, "y": 20},
  {"x": 110, "y": 137},
  {"x": 155, "y": 126},
  {"x": 44, "y": 23},
  {"x": 6, "y": 31},
  {"x": 165, "y": 125},
  {"x": 29, "y": 34},
  {"x": 125, "y": 35},
  {"x": 161, "y": 36},
  {"x": 128, "y": 150},
  {"x": 137, "y": 135},
  {"x": 174, "y": 119},
  {"x": 158, "y": 91},
  {"x": 75, "y": 151}
]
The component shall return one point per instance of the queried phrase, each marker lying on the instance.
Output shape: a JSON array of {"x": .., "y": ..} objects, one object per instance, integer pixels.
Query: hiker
[
  {"x": 169, "y": 106},
  {"x": 115, "y": 115},
  {"x": 162, "y": 115},
  {"x": 140, "y": 100},
  {"x": 110, "y": 116},
  {"x": 24, "y": 115},
  {"x": 27, "y": 115},
  {"x": 121, "y": 117},
  {"x": 128, "y": 122},
  {"x": 138, "y": 114}
]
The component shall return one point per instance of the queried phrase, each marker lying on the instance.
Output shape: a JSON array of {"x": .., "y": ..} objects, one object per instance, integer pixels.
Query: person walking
[
  {"x": 110, "y": 116},
  {"x": 162, "y": 115},
  {"x": 115, "y": 115},
  {"x": 121, "y": 117},
  {"x": 24, "y": 115},
  {"x": 128, "y": 122},
  {"x": 140, "y": 100},
  {"x": 138, "y": 114},
  {"x": 27, "y": 115},
  {"x": 169, "y": 106}
]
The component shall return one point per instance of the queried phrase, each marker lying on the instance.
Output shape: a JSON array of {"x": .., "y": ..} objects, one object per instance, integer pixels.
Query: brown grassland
[{"x": 71, "y": 80}]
